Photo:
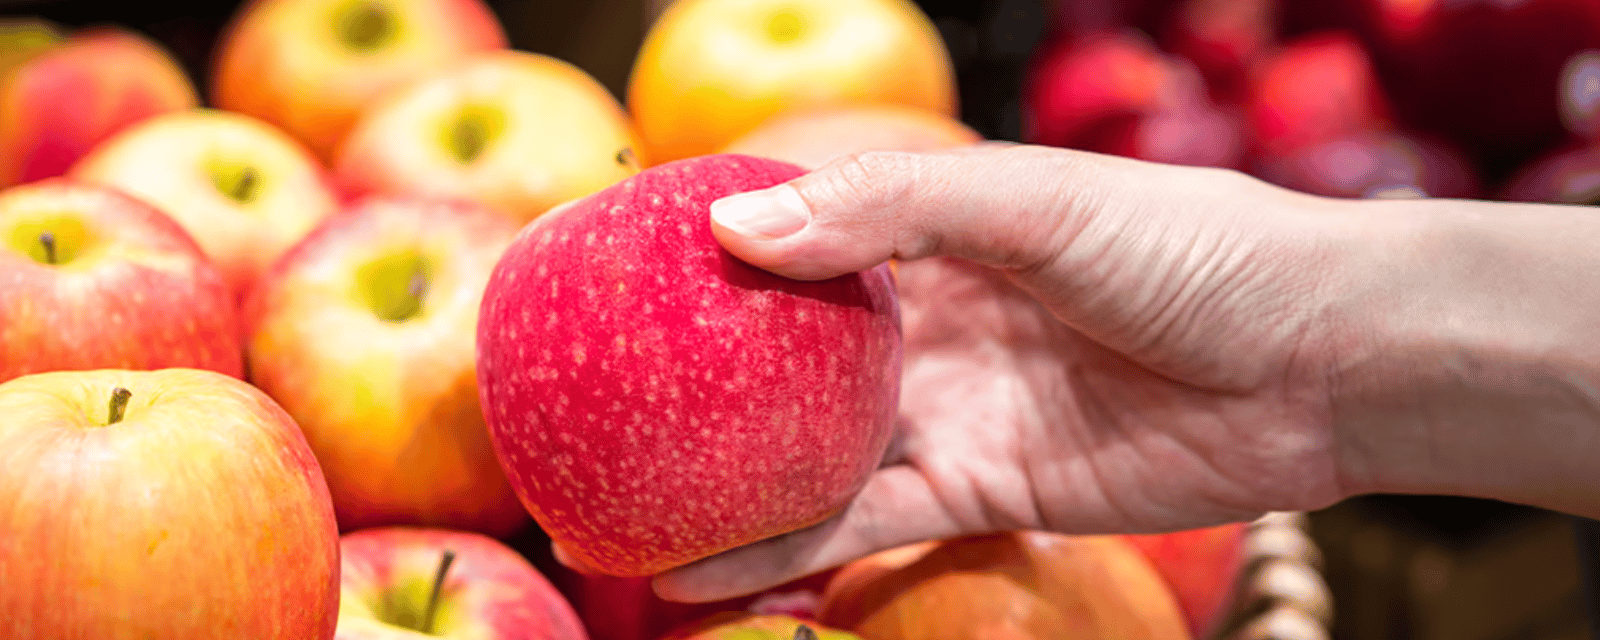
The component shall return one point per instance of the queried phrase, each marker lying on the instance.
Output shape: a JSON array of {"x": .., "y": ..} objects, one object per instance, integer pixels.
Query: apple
[
  {"x": 1225, "y": 39},
  {"x": 615, "y": 608},
  {"x": 178, "y": 503},
  {"x": 412, "y": 582},
  {"x": 514, "y": 131},
  {"x": 655, "y": 400},
  {"x": 61, "y": 101},
  {"x": 95, "y": 279},
  {"x": 1022, "y": 585},
  {"x": 245, "y": 191},
  {"x": 22, "y": 38},
  {"x": 750, "y": 626},
  {"x": 1318, "y": 87},
  {"x": 1580, "y": 94},
  {"x": 1373, "y": 164},
  {"x": 1202, "y": 567},
  {"x": 310, "y": 67},
  {"x": 710, "y": 71},
  {"x": 810, "y": 139},
  {"x": 364, "y": 333},
  {"x": 1569, "y": 175}
]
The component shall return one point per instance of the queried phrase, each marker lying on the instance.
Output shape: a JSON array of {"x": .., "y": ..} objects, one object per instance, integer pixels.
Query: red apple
[
  {"x": 615, "y": 608},
  {"x": 245, "y": 191},
  {"x": 364, "y": 333},
  {"x": 1317, "y": 87},
  {"x": 1570, "y": 176},
  {"x": 655, "y": 400},
  {"x": 1202, "y": 567},
  {"x": 514, "y": 131},
  {"x": 64, "y": 100},
  {"x": 168, "y": 504},
  {"x": 1372, "y": 164},
  {"x": 1224, "y": 38},
  {"x": 749, "y": 626},
  {"x": 404, "y": 582},
  {"x": 95, "y": 279},
  {"x": 310, "y": 67}
]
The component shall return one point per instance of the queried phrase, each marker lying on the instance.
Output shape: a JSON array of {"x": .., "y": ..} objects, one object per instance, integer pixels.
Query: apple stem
[
  {"x": 245, "y": 187},
  {"x": 119, "y": 404},
  {"x": 49, "y": 241},
  {"x": 418, "y": 285},
  {"x": 445, "y": 560},
  {"x": 625, "y": 157},
  {"x": 803, "y": 632}
]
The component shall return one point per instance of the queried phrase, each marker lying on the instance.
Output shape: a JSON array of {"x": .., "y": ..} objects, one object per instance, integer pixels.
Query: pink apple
[
  {"x": 1317, "y": 87},
  {"x": 170, "y": 504},
  {"x": 94, "y": 279},
  {"x": 399, "y": 583},
  {"x": 655, "y": 400},
  {"x": 1569, "y": 175},
  {"x": 245, "y": 191},
  {"x": 63, "y": 100},
  {"x": 1226, "y": 39},
  {"x": 1373, "y": 164}
]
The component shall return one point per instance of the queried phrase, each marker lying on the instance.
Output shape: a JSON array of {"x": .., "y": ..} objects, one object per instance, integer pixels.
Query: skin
[{"x": 1097, "y": 344}]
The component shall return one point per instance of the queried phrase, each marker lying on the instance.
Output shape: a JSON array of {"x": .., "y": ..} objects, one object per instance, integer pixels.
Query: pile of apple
[
  {"x": 302, "y": 362},
  {"x": 1343, "y": 98}
]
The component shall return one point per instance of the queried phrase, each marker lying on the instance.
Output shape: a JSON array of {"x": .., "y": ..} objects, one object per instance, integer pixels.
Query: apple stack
[
  {"x": 1342, "y": 98},
  {"x": 301, "y": 359}
]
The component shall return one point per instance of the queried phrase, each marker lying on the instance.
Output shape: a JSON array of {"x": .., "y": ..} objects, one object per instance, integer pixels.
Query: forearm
[{"x": 1473, "y": 364}]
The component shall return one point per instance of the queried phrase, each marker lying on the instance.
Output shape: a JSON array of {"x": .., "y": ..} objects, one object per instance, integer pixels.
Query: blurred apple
[
  {"x": 245, "y": 191},
  {"x": 810, "y": 139},
  {"x": 1317, "y": 87},
  {"x": 401, "y": 583},
  {"x": 168, "y": 504},
  {"x": 749, "y": 626},
  {"x": 310, "y": 67},
  {"x": 1021, "y": 586},
  {"x": 516, "y": 132},
  {"x": 615, "y": 608},
  {"x": 1580, "y": 94},
  {"x": 710, "y": 71},
  {"x": 1371, "y": 165},
  {"x": 95, "y": 279},
  {"x": 58, "y": 102},
  {"x": 1202, "y": 567},
  {"x": 22, "y": 38},
  {"x": 364, "y": 333},
  {"x": 1226, "y": 40},
  {"x": 1569, "y": 175}
]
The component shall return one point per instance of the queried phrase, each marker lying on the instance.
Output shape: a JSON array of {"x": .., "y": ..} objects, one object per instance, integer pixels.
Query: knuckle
[{"x": 871, "y": 180}]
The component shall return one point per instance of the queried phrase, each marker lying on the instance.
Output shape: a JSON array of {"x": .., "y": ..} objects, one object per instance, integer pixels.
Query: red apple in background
[
  {"x": 1568, "y": 176},
  {"x": 1225, "y": 39},
  {"x": 728, "y": 404},
  {"x": 1020, "y": 585},
  {"x": 1372, "y": 165},
  {"x": 95, "y": 279},
  {"x": 364, "y": 333},
  {"x": 168, "y": 504},
  {"x": 245, "y": 191},
  {"x": 1317, "y": 87},
  {"x": 615, "y": 608},
  {"x": 514, "y": 131},
  {"x": 748, "y": 626},
  {"x": 310, "y": 67},
  {"x": 63, "y": 100},
  {"x": 1580, "y": 94},
  {"x": 1202, "y": 567},
  {"x": 405, "y": 582}
]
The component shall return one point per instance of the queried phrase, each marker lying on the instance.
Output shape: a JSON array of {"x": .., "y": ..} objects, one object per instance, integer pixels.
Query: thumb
[{"x": 1006, "y": 206}]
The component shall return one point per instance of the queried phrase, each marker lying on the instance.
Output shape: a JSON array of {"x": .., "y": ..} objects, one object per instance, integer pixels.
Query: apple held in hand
[
  {"x": 655, "y": 400},
  {"x": 168, "y": 505},
  {"x": 245, "y": 191},
  {"x": 514, "y": 131},
  {"x": 311, "y": 66},
  {"x": 364, "y": 333},
  {"x": 91, "y": 279},
  {"x": 405, "y": 582}
]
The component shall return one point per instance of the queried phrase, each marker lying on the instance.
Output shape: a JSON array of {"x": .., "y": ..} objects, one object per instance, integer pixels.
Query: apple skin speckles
[{"x": 701, "y": 403}]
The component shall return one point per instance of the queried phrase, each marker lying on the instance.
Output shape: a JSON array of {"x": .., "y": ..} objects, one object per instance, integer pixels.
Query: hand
[{"x": 1106, "y": 345}]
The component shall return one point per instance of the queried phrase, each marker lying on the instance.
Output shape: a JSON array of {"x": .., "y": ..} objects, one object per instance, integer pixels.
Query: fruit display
[{"x": 376, "y": 268}]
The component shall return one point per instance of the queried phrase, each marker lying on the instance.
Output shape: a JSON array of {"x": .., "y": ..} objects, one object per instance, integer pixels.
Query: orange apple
[
  {"x": 514, "y": 131},
  {"x": 812, "y": 138},
  {"x": 311, "y": 66},
  {"x": 365, "y": 332},
  {"x": 1201, "y": 566},
  {"x": 245, "y": 191},
  {"x": 710, "y": 71},
  {"x": 63, "y": 100},
  {"x": 750, "y": 626}
]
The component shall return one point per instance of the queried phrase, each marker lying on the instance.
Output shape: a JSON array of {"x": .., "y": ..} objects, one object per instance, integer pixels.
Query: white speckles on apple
[{"x": 580, "y": 354}]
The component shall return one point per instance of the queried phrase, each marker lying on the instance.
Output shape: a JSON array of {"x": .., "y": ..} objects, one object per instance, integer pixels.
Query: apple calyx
[
  {"x": 49, "y": 241},
  {"x": 364, "y": 26},
  {"x": 237, "y": 181},
  {"x": 119, "y": 405},
  {"x": 803, "y": 632},
  {"x": 395, "y": 285},
  {"x": 445, "y": 560},
  {"x": 471, "y": 131}
]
